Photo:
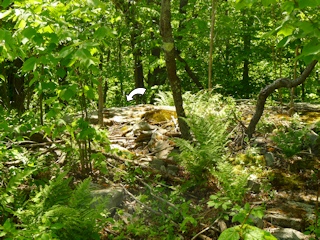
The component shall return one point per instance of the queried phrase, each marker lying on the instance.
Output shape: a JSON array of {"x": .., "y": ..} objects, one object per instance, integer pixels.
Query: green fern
[
  {"x": 164, "y": 98},
  {"x": 232, "y": 184},
  {"x": 58, "y": 212},
  {"x": 200, "y": 156},
  {"x": 17, "y": 179},
  {"x": 11, "y": 198},
  {"x": 206, "y": 102}
]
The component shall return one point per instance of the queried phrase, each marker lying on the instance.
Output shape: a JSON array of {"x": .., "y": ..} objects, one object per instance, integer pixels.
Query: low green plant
[
  {"x": 245, "y": 216},
  {"x": 233, "y": 185},
  {"x": 200, "y": 156},
  {"x": 201, "y": 103},
  {"x": 164, "y": 98},
  {"x": 313, "y": 230},
  {"x": 54, "y": 211},
  {"x": 162, "y": 212},
  {"x": 292, "y": 141}
]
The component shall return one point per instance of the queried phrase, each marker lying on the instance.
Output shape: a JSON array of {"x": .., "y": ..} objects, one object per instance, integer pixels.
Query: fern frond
[
  {"x": 17, "y": 179},
  {"x": 208, "y": 148},
  {"x": 164, "y": 99},
  {"x": 81, "y": 196}
]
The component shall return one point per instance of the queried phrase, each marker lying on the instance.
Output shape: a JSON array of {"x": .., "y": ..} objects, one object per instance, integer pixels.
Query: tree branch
[{"x": 265, "y": 92}]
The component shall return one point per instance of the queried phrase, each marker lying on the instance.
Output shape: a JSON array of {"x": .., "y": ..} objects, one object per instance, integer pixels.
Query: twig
[
  {"x": 109, "y": 155},
  {"x": 157, "y": 197},
  {"x": 238, "y": 120},
  {"x": 206, "y": 229},
  {"x": 148, "y": 208}
]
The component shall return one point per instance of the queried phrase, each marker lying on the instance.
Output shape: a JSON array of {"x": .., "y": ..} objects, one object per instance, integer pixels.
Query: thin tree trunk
[
  {"x": 169, "y": 50},
  {"x": 291, "y": 110},
  {"x": 189, "y": 71},
  {"x": 279, "y": 83},
  {"x": 247, "y": 22},
  {"x": 100, "y": 103},
  {"x": 213, "y": 20}
]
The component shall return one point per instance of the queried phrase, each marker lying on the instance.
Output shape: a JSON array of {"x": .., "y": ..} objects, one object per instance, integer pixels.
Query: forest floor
[{"x": 145, "y": 133}]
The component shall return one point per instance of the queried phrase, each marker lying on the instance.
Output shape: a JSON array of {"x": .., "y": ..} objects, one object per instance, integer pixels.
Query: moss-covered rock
[{"x": 159, "y": 115}]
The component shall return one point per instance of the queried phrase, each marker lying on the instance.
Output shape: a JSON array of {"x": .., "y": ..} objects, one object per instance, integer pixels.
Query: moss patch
[{"x": 159, "y": 115}]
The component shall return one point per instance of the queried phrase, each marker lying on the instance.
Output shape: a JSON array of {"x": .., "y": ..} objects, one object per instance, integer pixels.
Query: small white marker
[{"x": 134, "y": 92}]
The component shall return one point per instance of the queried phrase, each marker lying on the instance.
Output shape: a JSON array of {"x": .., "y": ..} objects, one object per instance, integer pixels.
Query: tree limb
[{"x": 265, "y": 92}]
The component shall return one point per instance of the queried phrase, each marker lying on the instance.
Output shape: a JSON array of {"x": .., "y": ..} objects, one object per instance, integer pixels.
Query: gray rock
[
  {"x": 269, "y": 159},
  {"x": 142, "y": 126},
  {"x": 111, "y": 197},
  {"x": 282, "y": 220},
  {"x": 158, "y": 164},
  {"x": 314, "y": 141},
  {"x": 288, "y": 234}
]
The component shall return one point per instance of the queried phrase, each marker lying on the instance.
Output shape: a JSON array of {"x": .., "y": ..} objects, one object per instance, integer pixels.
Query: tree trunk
[
  {"x": 169, "y": 50},
  {"x": 189, "y": 71},
  {"x": 279, "y": 83},
  {"x": 246, "y": 52},
  {"x": 100, "y": 102},
  {"x": 213, "y": 20},
  {"x": 182, "y": 26}
]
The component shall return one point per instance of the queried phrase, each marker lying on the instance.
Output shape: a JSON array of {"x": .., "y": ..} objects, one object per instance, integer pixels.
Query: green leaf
[
  {"x": 61, "y": 72},
  {"x": 230, "y": 234},
  {"x": 48, "y": 86},
  {"x": 4, "y": 126},
  {"x": 308, "y": 3},
  {"x": 35, "y": 78},
  {"x": 268, "y": 2},
  {"x": 6, "y": 3},
  {"x": 30, "y": 64},
  {"x": 66, "y": 51},
  {"x": 312, "y": 48},
  {"x": 29, "y": 32},
  {"x": 94, "y": 3},
  {"x": 306, "y": 27},
  {"x": 288, "y": 6},
  {"x": 89, "y": 92},
  {"x": 17, "y": 179},
  {"x": 258, "y": 212},
  {"x": 286, "y": 30},
  {"x": 254, "y": 233},
  {"x": 284, "y": 41},
  {"x": 240, "y": 4},
  {"x": 239, "y": 217},
  {"x": 89, "y": 44},
  {"x": 82, "y": 54},
  {"x": 57, "y": 226},
  {"x": 103, "y": 32},
  {"x": 68, "y": 93}
]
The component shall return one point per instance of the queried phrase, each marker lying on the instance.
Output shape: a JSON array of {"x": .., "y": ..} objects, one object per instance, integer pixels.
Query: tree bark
[
  {"x": 246, "y": 51},
  {"x": 169, "y": 50},
  {"x": 189, "y": 71},
  {"x": 213, "y": 20},
  {"x": 279, "y": 83},
  {"x": 182, "y": 26}
]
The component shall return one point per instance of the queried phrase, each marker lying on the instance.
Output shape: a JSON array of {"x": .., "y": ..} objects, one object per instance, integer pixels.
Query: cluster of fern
[
  {"x": 208, "y": 148},
  {"x": 201, "y": 103},
  {"x": 52, "y": 211},
  {"x": 205, "y": 156}
]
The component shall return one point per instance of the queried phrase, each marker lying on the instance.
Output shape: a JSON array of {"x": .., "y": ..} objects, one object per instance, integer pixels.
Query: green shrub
[
  {"x": 291, "y": 142},
  {"x": 200, "y": 156},
  {"x": 233, "y": 185},
  {"x": 55, "y": 211}
]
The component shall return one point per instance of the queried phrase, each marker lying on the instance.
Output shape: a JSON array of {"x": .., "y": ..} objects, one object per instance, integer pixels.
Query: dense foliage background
[{"x": 58, "y": 59}]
